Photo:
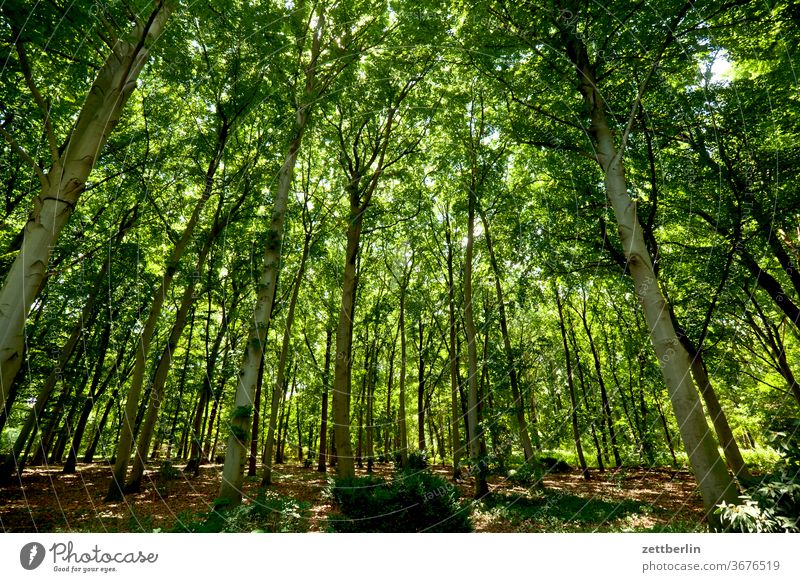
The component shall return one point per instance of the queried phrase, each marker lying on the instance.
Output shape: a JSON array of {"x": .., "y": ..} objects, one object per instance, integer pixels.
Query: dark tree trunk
[
  {"x": 576, "y": 435},
  {"x": 323, "y": 429}
]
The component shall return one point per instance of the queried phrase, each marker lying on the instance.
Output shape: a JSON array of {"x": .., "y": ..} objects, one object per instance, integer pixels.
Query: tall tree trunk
[
  {"x": 251, "y": 468},
  {"x": 421, "y": 390},
  {"x": 513, "y": 376},
  {"x": 390, "y": 427},
  {"x": 230, "y": 494},
  {"x": 475, "y": 435},
  {"x": 576, "y": 434},
  {"x": 452, "y": 350},
  {"x": 65, "y": 181},
  {"x": 606, "y": 405},
  {"x": 360, "y": 405},
  {"x": 323, "y": 429},
  {"x": 715, "y": 484},
  {"x": 370, "y": 409},
  {"x": 266, "y": 478},
  {"x": 401, "y": 410},
  {"x": 344, "y": 342}
]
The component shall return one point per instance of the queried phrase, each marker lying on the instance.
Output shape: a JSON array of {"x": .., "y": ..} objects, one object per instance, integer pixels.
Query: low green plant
[
  {"x": 270, "y": 512},
  {"x": 167, "y": 471},
  {"x": 771, "y": 503},
  {"x": 527, "y": 475},
  {"x": 761, "y": 459},
  {"x": 557, "y": 511},
  {"x": 414, "y": 501},
  {"x": 417, "y": 461}
]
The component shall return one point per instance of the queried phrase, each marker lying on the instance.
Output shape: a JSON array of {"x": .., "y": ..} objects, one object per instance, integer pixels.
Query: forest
[{"x": 393, "y": 266}]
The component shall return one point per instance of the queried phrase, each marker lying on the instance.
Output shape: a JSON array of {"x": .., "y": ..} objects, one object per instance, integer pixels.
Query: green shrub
[
  {"x": 417, "y": 461},
  {"x": 771, "y": 503},
  {"x": 167, "y": 471},
  {"x": 268, "y": 513},
  {"x": 527, "y": 475},
  {"x": 411, "y": 502}
]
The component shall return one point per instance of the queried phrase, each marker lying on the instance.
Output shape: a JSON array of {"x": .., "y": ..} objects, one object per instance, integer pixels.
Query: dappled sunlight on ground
[{"x": 620, "y": 500}]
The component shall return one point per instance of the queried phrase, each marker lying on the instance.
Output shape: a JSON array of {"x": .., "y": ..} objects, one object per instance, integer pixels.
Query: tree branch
[
  {"x": 25, "y": 156},
  {"x": 37, "y": 96}
]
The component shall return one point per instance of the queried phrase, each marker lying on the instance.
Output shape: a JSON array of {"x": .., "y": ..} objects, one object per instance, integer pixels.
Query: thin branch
[
  {"x": 37, "y": 96},
  {"x": 25, "y": 156},
  {"x": 643, "y": 87}
]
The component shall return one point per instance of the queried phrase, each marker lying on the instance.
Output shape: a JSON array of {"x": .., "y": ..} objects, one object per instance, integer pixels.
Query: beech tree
[{"x": 503, "y": 240}]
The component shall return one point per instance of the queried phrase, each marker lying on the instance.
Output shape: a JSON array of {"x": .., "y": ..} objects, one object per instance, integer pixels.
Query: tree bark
[
  {"x": 401, "y": 407},
  {"x": 455, "y": 408},
  {"x": 323, "y": 429},
  {"x": 230, "y": 494},
  {"x": 344, "y": 341},
  {"x": 513, "y": 376},
  {"x": 277, "y": 389},
  {"x": 65, "y": 181},
  {"x": 475, "y": 434},
  {"x": 715, "y": 484},
  {"x": 252, "y": 464},
  {"x": 576, "y": 434},
  {"x": 421, "y": 390}
]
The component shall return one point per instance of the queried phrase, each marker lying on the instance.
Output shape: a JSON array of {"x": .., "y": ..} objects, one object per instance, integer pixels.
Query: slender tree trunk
[
  {"x": 401, "y": 410},
  {"x": 513, "y": 376},
  {"x": 252, "y": 469},
  {"x": 266, "y": 478},
  {"x": 299, "y": 422},
  {"x": 606, "y": 405},
  {"x": 360, "y": 406},
  {"x": 455, "y": 409},
  {"x": 421, "y": 390},
  {"x": 576, "y": 434},
  {"x": 230, "y": 494},
  {"x": 65, "y": 181},
  {"x": 370, "y": 410},
  {"x": 283, "y": 424},
  {"x": 715, "y": 484},
  {"x": 390, "y": 426},
  {"x": 475, "y": 436},
  {"x": 323, "y": 429}
]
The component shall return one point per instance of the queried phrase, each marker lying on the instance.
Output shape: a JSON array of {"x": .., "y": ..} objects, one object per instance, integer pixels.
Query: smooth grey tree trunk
[{"x": 65, "y": 181}]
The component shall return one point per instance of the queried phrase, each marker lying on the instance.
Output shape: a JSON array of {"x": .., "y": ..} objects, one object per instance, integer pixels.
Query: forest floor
[{"x": 628, "y": 499}]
